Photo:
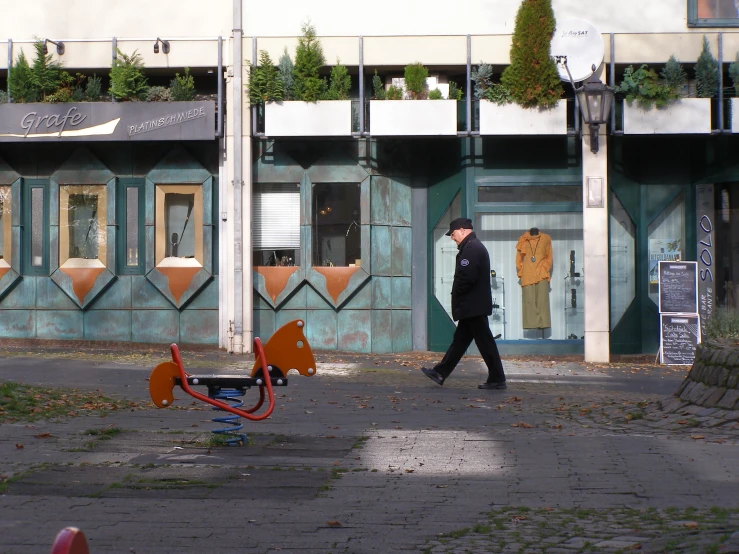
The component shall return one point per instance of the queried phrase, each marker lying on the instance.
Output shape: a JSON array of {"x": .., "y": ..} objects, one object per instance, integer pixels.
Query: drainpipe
[
  {"x": 114, "y": 56},
  {"x": 361, "y": 85},
  {"x": 720, "y": 82},
  {"x": 219, "y": 74},
  {"x": 10, "y": 65},
  {"x": 238, "y": 346},
  {"x": 468, "y": 103}
]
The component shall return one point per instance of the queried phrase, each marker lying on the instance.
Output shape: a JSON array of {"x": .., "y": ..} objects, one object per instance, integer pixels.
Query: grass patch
[{"x": 19, "y": 402}]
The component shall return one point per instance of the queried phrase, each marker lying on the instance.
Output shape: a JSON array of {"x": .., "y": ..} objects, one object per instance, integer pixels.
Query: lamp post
[{"x": 595, "y": 100}]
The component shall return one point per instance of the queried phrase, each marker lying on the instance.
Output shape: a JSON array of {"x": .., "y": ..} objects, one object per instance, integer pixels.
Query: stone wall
[{"x": 713, "y": 381}]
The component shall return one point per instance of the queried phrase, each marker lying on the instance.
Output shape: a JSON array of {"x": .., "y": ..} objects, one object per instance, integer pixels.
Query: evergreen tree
[
  {"x": 286, "y": 69},
  {"x": 706, "y": 72},
  {"x": 340, "y": 83},
  {"x": 20, "y": 79},
  {"x": 532, "y": 77},
  {"x": 482, "y": 76},
  {"x": 182, "y": 89},
  {"x": 674, "y": 75},
  {"x": 308, "y": 86},
  {"x": 127, "y": 79},
  {"x": 47, "y": 74},
  {"x": 264, "y": 81},
  {"x": 734, "y": 74}
]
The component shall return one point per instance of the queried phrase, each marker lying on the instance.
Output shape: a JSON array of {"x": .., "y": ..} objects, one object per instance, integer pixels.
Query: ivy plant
[
  {"x": 644, "y": 86},
  {"x": 308, "y": 85},
  {"x": 264, "y": 81},
  {"x": 415, "y": 80},
  {"x": 532, "y": 78},
  {"x": 706, "y": 72},
  {"x": 127, "y": 79}
]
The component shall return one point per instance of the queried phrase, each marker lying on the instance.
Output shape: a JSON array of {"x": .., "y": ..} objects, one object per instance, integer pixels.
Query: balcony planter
[
  {"x": 512, "y": 119},
  {"x": 327, "y": 118},
  {"x": 413, "y": 117},
  {"x": 684, "y": 116}
]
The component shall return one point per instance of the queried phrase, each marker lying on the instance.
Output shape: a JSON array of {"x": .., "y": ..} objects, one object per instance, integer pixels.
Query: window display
[
  {"x": 545, "y": 263},
  {"x": 179, "y": 226},
  {"x": 276, "y": 224},
  {"x": 445, "y": 255},
  {"x": 337, "y": 240},
  {"x": 666, "y": 241},
  {"x": 622, "y": 260},
  {"x": 82, "y": 226}
]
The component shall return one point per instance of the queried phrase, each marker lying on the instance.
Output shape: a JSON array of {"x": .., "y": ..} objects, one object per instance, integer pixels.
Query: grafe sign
[{"x": 101, "y": 121}]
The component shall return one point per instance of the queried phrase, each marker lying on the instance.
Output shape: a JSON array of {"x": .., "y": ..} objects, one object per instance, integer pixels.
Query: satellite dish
[{"x": 580, "y": 43}]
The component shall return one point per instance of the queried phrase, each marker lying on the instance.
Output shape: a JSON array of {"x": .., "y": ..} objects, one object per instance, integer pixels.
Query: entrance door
[{"x": 647, "y": 224}]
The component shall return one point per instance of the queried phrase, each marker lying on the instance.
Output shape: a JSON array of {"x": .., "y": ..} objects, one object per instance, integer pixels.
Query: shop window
[
  {"x": 36, "y": 228},
  {"x": 445, "y": 255},
  {"x": 276, "y": 224},
  {"x": 622, "y": 260},
  {"x": 130, "y": 237},
  {"x": 666, "y": 241},
  {"x": 179, "y": 226},
  {"x": 713, "y": 13},
  {"x": 5, "y": 231},
  {"x": 82, "y": 226},
  {"x": 336, "y": 231},
  {"x": 558, "y": 312}
]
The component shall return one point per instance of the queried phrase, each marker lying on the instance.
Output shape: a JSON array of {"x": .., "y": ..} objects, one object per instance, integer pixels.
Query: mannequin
[{"x": 534, "y": 268}]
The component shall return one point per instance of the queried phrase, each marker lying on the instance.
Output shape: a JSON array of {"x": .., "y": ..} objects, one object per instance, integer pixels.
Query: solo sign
[{"x": 705, "y": 235}]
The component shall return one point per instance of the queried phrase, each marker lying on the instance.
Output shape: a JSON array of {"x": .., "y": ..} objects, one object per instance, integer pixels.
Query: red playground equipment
[
  {"x": 70, "y": 540},
  {"x": 287, "y": 349}
]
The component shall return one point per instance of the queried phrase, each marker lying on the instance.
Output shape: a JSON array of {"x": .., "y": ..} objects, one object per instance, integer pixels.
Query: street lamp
[{"x": 595, "y": 100}]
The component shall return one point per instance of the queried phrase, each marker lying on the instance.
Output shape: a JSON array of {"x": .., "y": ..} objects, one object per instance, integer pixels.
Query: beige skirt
[{"x": 535, "y": 308}]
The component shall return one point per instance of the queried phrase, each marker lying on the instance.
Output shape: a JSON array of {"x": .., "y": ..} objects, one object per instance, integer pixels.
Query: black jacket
[{"x": 471, "y": 294}]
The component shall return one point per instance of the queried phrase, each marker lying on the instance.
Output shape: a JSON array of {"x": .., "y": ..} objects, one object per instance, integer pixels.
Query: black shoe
[
  {"x": 433, "y": 375},
  {"x": 501, "y": 385}
]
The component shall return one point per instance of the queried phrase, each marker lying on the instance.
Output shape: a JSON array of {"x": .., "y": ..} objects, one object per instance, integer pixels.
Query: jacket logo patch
[{"x": 464, "y": 263}]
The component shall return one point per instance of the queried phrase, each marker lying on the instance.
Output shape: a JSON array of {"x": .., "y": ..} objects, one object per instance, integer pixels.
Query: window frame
[
  {"x": 122, "y": 184},
  {"x": 27, "y": 227},
  {"x": 695, "y": 21}
]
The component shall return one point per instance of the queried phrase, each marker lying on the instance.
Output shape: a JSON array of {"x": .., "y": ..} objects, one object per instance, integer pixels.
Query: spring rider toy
[{"x": 287, "y": 349}]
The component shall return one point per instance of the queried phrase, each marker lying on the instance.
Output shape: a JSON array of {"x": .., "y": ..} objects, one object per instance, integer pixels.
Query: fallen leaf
[
  {"x": 691, "y": 524},
  {"x": 333, "y": 523},
  {"x": 697, "y": 437},
  {"x": 43, "y": 435},
  {"x": 682, "y": 422},
  {"x": 19, "y": 446}
]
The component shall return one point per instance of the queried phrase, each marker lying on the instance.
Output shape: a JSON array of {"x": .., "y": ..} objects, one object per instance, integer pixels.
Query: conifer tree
[
  {"x": 532, "y": 77},
  {"x": 47, "y": 74},
  {"x": 20, "y": 79},
  {"x": 286, "y": 69},
  {"x": 264, "y": 81},
  {"x": 309, "y": 59},
  {"x": 706, "y": 72}
]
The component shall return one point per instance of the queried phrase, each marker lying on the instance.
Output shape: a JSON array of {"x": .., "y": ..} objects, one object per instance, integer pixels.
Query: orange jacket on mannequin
[{"x": 534, "y": 258}]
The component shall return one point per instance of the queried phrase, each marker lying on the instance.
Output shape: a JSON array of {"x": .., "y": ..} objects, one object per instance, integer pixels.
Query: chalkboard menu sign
[
  {"x": 678, "y": 287},
  {"x": 680, "y": 334}
]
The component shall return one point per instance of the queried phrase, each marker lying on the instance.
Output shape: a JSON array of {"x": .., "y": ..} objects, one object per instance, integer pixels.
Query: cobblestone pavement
[{"x": 371, "y": 456}]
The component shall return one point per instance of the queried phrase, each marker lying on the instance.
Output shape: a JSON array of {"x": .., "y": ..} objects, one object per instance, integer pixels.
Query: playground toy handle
[{"x": 259, "y": 351}]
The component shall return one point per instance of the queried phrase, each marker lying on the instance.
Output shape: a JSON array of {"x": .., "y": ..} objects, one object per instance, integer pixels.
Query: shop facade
[{"x": 266, "y": 215}]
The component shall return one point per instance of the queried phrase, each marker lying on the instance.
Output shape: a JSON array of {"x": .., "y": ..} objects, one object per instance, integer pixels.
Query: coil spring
[{"x": 233, "y": 421}]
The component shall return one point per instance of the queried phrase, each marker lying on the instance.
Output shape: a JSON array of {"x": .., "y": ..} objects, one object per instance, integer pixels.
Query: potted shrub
[
  {"x": 526, "y": 101},
  {"x": 414, "y": 116},
  {"x": 308, "y": 105},
  {"x": 658, "y": 104}
]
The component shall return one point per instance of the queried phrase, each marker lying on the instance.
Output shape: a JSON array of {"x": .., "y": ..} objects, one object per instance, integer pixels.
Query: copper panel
[
  {"x": 83, "y": 279},
  {"x": 337, "y": 279},
  {"x": 179, "y": 279},
  {"x": 275, "y": 278}
]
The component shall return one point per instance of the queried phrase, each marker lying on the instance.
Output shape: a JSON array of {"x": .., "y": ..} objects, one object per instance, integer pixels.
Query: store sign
[
  {"x": 109, "y": 121},
  {"x": 705, "y": 235}
]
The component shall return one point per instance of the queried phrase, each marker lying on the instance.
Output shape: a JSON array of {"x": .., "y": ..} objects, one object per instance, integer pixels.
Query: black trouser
[{"x": 467, "y": 329}]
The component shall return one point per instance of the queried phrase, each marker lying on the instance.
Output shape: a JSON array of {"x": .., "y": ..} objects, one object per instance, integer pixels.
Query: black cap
[{"x": 459, "y": 223}]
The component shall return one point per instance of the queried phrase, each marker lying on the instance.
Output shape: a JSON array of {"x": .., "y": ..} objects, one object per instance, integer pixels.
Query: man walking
[{"x": 472, "y": 303}]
